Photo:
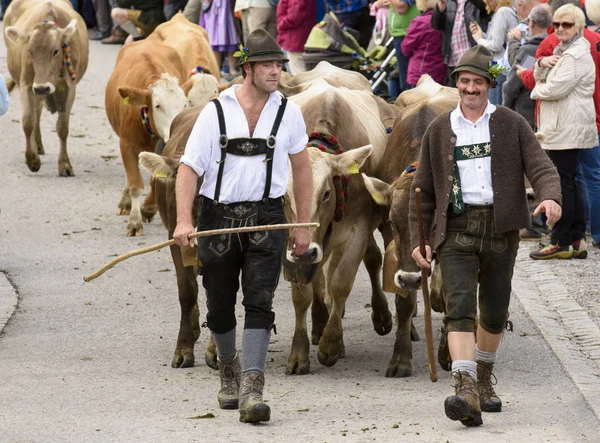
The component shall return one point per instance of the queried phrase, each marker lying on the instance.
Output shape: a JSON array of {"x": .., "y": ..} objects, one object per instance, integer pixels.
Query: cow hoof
[
  {"x": 210, "y": 360},
  {"x": 65, "y": 171},
  {"x": 329, "y": 360},
  {"x": 148, "y": 213},
  {"x": 382, "y": 322},
  {"x": 414, "y": 335},
  {"x": 41, "y": 150},
  {"x": 182, "y": 361},
  {"x": 398, "y": 371},
  {"x": 296, "y": 368},
  {"x": 33, "y": 162},
  {"x": 135, "y": 230}
]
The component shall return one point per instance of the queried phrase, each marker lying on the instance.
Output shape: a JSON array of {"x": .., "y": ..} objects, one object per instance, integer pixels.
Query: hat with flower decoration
[
  {"x": 478, "y": 60},
  {"x": 260, "y": 47}
]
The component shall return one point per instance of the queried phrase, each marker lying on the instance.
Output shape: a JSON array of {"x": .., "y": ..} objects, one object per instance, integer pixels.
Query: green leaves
[
  {"x": 495, "y": 69},
  {"x": 242, "y": 54}
]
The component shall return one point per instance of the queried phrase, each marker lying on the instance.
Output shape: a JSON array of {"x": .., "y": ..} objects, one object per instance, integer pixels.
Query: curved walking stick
[
  {"x": 425, "y": 290},
  {"x": 164, "y": 244}
]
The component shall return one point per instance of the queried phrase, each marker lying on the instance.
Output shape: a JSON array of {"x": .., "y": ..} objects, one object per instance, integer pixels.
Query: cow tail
[{"x": 10, "y": 85}]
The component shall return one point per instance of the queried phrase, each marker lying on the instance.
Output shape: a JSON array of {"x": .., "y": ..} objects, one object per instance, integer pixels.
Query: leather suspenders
[{"x": 247, "y": 147}]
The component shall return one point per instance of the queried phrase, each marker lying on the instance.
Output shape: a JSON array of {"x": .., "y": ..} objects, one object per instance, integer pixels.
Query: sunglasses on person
[{"x": 565, "y": 25}]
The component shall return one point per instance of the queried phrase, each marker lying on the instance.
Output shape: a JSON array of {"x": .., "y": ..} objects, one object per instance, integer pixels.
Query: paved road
[{"x": 88, "y": 362}]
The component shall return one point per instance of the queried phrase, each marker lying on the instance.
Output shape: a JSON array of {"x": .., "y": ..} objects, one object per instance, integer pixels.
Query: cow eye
[
  {"x": 326, "y": 196},
  {"x": 157, "y": 106},
  {"x": 55, "y": 53}
]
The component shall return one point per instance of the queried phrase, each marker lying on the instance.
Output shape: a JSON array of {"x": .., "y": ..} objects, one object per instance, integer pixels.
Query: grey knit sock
[
  {"x": 465, "y": 366},
  {"x": 486, "y": 357},
  {"x": 225, "y": 344},
  {"x": 254, "y": 349}
]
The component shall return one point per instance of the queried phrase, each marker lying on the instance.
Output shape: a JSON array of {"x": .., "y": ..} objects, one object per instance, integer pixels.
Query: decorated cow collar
[
  {"x": 410, "y": 169},
  {"x": 66, "y": 48},
  {"x": 328, "y": 143},
  {"x": 199, "y": 70},
  {"x": 146, "y": 121}
]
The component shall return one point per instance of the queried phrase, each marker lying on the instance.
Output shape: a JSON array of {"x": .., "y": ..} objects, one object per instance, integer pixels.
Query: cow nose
[{"x": 41, "y": 90}]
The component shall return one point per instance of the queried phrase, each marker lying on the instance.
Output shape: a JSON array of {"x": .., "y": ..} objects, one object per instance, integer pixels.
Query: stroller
[{"x": 329, "y": 41}]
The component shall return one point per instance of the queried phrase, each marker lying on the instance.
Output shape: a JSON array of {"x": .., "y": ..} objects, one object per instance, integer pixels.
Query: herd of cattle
[{"x": 156, "y": 91}]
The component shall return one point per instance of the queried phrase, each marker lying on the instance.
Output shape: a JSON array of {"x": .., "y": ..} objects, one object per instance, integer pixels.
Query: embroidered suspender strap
[
  {"x": 223, "y": 142},
  {"x": 271, "y": 147}
]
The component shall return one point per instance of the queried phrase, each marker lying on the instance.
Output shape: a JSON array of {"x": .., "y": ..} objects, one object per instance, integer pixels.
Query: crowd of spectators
[{"x": 429, "y": 36}]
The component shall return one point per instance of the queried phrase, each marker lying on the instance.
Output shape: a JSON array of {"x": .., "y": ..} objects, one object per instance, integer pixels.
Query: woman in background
[{"x": 218, "y": 22}]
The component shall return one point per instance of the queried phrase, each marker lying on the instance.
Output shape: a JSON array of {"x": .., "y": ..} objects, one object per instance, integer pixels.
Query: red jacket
[
  {"x": 546, "y": 48},
  {"x": 295, "y": 20}
]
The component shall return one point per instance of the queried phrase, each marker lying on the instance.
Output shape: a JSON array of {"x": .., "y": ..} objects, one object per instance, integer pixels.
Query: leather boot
[
  {"x": 252, "y": 407},
  {"x": 488, "y": 399},
  {"x": 117, "y": 37},
  {"x": 464, "y": 405},
  {"x": 231, "y": 374}
]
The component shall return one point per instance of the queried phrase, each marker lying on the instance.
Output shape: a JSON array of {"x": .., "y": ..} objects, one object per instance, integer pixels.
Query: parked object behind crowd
[
  {"x": 565, "y": 86},
  {"x": 295, "y": 20},
  {"x": 355, "y": 15},
  {"x": 257, "y": 14},
  {"x": 423, "y": 46},
  {"x": 453, "y": 17}
]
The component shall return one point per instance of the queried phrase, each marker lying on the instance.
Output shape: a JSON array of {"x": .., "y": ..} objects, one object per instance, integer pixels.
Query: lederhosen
[{"x": 257, "y": 255}]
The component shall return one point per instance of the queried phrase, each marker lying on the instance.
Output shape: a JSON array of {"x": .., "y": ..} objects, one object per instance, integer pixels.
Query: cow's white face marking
[
  {"x": 168, "y": 100},
  {"x": 205, "y": 89}
]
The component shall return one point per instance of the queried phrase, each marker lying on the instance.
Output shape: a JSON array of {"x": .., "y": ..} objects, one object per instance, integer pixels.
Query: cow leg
[
  {"x": 189, "y": 325},
  {"x": 342, "y": 268},
  {"x": 38, "y": 132},
  {"x": 125, "y": 203},
  {"x": 298, "y": 361},
  {"x": 319, "y": 311},
  {"x": 400, "y": 365},
  {"x": 381, "y": 316},
  {"x": 62, "y": 129},
  {"x": 135, "y": 182},
  {"x": 149, "y": 207},
  {"x": 30, "y": 124}
]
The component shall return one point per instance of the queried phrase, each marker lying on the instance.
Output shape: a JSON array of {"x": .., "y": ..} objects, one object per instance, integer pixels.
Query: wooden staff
[
  {"x": 425, "y": 289},
  {"x": 164, "y": 244}
]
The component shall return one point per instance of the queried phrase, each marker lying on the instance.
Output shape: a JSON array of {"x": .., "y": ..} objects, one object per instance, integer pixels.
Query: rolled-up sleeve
[
  {"x": 203, "y": 139},
  {"x": 298, "y": 137}
]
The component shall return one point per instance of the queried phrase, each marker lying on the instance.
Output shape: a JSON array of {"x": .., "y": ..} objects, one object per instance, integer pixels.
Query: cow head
[
  {"x": 44, "y": 52},
  {"x": 205, "y": 88},
  {"x": 324, "y": 168},
  {"x": 164, "y": 99},
  {"x": 397, "y": 196}
]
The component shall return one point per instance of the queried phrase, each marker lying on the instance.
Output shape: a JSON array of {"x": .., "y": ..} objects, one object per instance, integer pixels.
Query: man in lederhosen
[{"x": 241, "y": 144}]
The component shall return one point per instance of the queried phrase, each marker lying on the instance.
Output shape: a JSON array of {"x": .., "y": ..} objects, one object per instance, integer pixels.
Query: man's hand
[
  {"x": 441, "y": 5},
  {"x": 552, "y": 209},
  {"x": 548, "y": 62},
  {"x": 519, "y": 70},
  {"x": 299, "y": 240},
  {"x": 182, "y": 230},
  {"x": 514, "y": 33},
  {"x": 418, "y": 258}
]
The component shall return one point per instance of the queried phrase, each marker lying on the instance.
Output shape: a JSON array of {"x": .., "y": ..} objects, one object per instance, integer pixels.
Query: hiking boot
[
  {"x": 117, "y": 37},
  {"x": 552, "y": 251},
  {"x": 464, "y": 405},
  {"x": 580, "y": 249},
  {"x": 231, "y": 373},
  {"x": 443, "y": 355},
  {"x": 488, "y": 399},
  {"x": 252, "y": 407}
]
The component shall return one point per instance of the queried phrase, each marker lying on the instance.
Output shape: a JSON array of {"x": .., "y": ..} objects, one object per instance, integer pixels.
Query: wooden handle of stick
[
  {"x": 425, "y": 290},
  {"x": 164, "y": 244}
]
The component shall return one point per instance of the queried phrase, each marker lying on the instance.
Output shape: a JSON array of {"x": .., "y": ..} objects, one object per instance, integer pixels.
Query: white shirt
[
  {"x": 244, "y": 177},
  {"x": 475, "y": 173},
  {"x": 240, "y": 5}
]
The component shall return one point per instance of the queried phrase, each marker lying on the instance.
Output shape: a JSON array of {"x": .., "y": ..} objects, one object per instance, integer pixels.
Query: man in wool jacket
[{"x": 473, "y": 197}]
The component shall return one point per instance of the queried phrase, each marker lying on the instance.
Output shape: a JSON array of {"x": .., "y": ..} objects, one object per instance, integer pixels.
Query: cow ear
[
  {"x": 380, "y": 191},
  {"x": 16, "y": 36},
  {"x": 157, "y": 165},
  {"x": 134, "y": 96},
  {"x": 70, "y": 29},
  {"x": 349, "y": 162},
  {"x": 187, "y": 86}
]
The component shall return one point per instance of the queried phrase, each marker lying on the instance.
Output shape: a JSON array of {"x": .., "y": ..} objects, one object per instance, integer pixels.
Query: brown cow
[
  {"x": 47, "y": 45},
  {"x": 143, "y": 96},
  {"x": 392, "y": 192},
  {"x": 199, "y": 62}
]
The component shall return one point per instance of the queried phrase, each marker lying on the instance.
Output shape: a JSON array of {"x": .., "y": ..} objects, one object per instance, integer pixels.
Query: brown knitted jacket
[{"x": 515, "y": 151}]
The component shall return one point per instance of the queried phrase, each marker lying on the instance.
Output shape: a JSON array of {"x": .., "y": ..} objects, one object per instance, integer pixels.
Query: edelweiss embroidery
[{"x": 248, "y": 147}]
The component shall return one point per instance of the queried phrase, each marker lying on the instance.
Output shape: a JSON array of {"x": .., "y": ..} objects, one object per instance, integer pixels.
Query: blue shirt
[
  {"x": 341, "y": 6},
  {"x": 3, "y": 96}
]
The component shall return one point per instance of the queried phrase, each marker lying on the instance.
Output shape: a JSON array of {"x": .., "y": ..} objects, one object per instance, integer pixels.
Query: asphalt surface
[{"x": 90, "y": 362}]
